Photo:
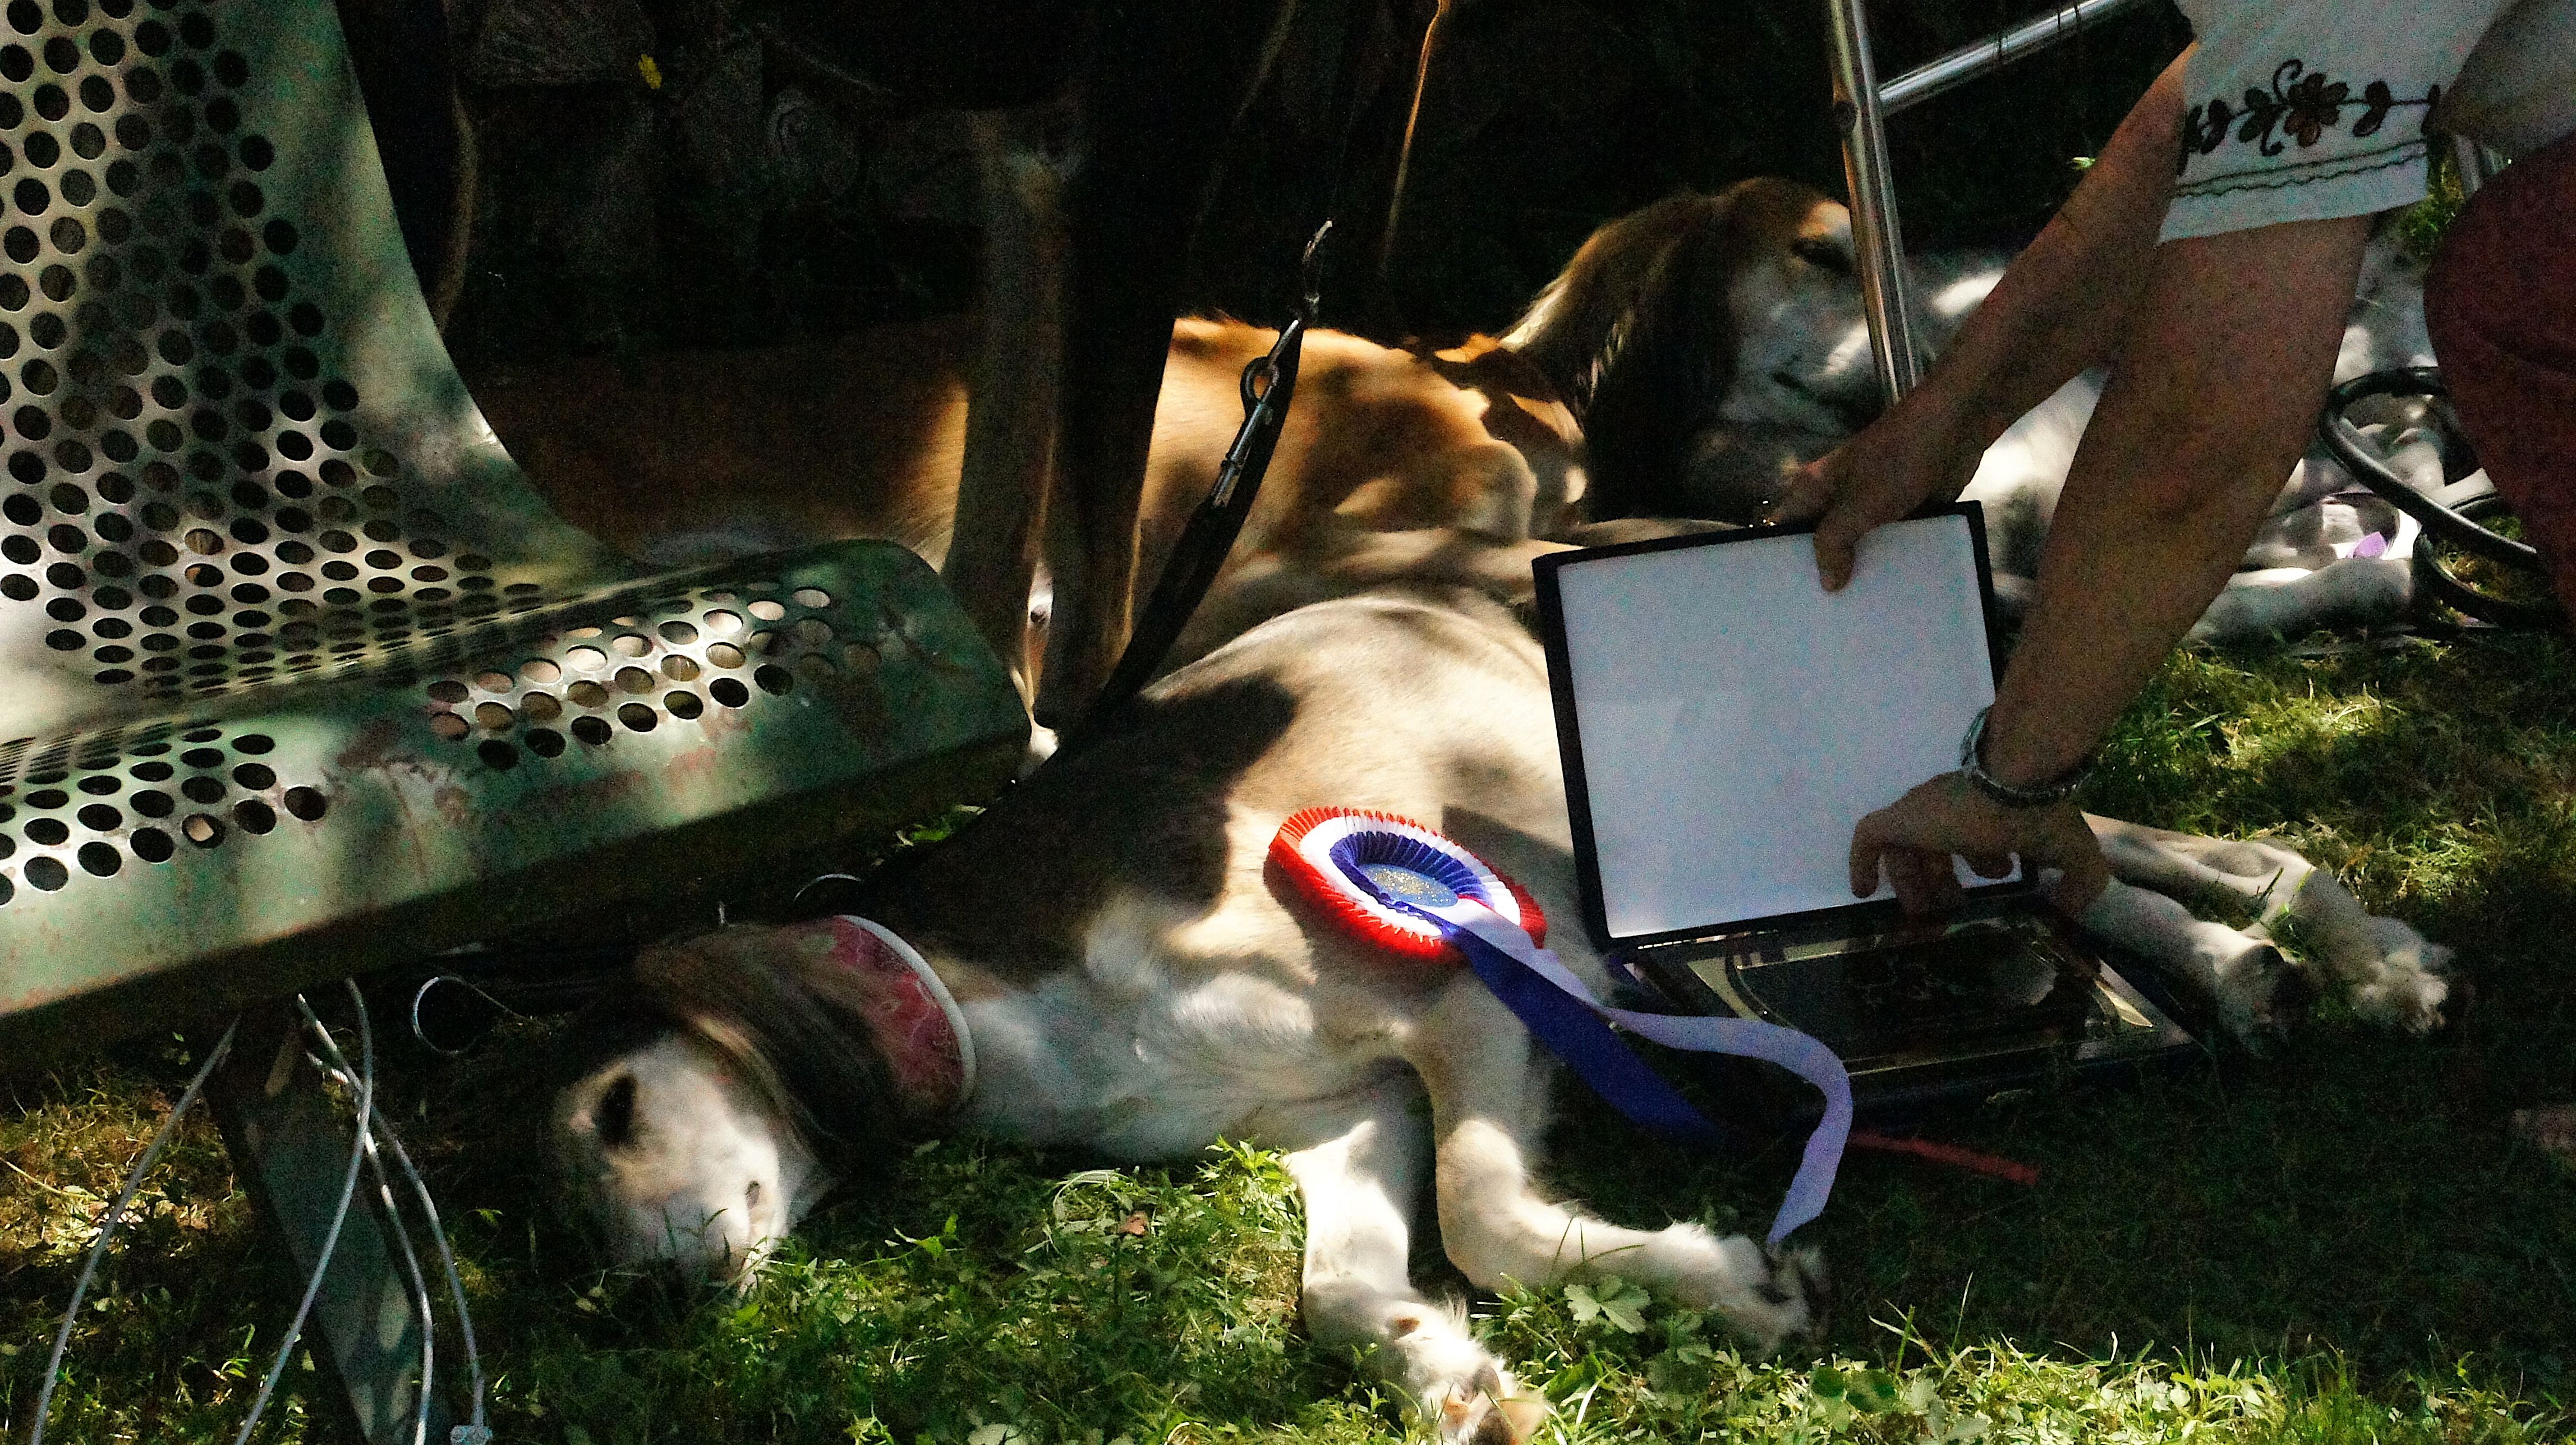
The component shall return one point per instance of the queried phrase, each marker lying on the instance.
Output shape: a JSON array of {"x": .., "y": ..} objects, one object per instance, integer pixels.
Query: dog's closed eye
[
  {"x": 615, "y": 1116},
  {"x": 1824, "y": 252}
]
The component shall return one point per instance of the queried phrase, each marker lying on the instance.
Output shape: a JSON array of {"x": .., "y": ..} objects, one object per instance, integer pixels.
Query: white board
[{"x": 1736, "y": 720}]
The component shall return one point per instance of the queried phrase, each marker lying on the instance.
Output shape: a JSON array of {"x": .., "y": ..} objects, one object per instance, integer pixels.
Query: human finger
[
  {"x": 1916, "y": 878},
  {"x": 1989, "y": 865},
  {"x": 1838, "y": 535},
  {"x": 1870, "y": 848},
  {"x": 2084, "y": 871},
  {"x": 1810, "y": 491}
]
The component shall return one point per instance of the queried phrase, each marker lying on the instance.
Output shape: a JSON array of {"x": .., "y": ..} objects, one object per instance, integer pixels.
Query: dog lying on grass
[
  {"x": 1133, "y": 979},
  {"x": 1712, "y": 345}
]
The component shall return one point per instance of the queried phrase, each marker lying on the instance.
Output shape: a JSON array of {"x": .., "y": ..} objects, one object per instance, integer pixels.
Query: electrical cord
[
  {"x": 477, "y": 1432},
  {"x": 338, "y": 1068},
  {"x": 2457, "y": 524},
  {"x": 361, "y": 1081}
]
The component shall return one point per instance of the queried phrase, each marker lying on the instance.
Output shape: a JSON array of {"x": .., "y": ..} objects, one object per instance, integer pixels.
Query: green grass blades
[{"x": 984, "y": 1296}]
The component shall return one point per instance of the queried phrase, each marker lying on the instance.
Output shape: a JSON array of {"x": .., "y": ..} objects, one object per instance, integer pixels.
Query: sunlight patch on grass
[
  {"x": 983, "y": 1294},
  {"x": 1655, "y": 1372}
]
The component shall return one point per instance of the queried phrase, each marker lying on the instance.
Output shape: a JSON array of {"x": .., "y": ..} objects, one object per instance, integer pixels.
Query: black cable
[{"x": 2458, "y": 527}]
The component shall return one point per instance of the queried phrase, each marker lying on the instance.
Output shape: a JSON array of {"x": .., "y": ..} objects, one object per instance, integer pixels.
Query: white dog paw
[
  {"x": 1489, "y": 1408},
  {"x": 1767, "y": 1294},
  {"x": 2406, "y": 986},
  {"x": 1467, "y": 1396}
]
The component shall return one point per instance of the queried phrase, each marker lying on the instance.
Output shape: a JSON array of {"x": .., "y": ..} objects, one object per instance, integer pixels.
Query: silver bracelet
[{"x": 1972, "y": 762}]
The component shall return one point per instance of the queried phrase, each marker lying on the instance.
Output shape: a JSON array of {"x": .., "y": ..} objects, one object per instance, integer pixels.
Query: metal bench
[{"x": 302, "y": 678}]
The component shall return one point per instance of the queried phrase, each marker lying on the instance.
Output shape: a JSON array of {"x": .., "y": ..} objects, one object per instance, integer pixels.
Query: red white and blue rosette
[
  {"x": 1359, "y": 867},
  {"x": 1418, "y": 896}
]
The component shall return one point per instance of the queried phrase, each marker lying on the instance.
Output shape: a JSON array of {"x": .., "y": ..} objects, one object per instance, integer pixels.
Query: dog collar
[
  {"x": 1324, "y": 852},
  {"x": 910, "y": 1014}
]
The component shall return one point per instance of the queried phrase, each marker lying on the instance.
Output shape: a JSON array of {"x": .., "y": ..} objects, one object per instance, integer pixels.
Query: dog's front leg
[
  {"x": 1488, "y": 1100},
  {"x": 2392, "y": 974},
  {"x": 2244, "y": 978},
  {"x": 1360, "y": 1188}
]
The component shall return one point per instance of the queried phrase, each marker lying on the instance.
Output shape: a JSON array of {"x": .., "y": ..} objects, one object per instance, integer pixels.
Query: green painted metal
[
  {"x": 302, "y": 677},
  {"x": 292, "y": 1154}
]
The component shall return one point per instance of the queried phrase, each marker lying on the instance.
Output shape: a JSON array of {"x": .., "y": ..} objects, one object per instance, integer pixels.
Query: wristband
[{"x": 1972, "y": 762}]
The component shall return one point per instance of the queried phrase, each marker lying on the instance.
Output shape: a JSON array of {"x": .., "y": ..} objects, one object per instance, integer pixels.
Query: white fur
[
  {"x": 1799, "y": 364},
  {"x": 2391, "y": 974},
  {"x": 1804, "y": 338},
  {"x": 712, "y": 1179}
]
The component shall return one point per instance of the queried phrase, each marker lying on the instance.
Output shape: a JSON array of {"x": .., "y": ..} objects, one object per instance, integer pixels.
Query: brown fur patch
[
  {"x": 1639, "y": 333},
  {"x": 792, "y": 1020}
]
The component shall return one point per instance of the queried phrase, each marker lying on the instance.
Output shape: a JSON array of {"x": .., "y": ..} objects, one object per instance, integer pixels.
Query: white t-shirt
[{"x": 2316, "y": 109}]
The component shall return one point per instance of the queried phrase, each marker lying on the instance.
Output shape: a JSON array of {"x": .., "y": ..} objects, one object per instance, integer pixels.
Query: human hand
[
  {"x": 1917, "y": 453},
  {"x": 1914, "y": 838}
]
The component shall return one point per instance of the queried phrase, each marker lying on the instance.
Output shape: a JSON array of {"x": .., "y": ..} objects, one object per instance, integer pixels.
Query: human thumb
[
  {"x": 1809, "y": 492},
  {"x": 1837, "y": 539}
]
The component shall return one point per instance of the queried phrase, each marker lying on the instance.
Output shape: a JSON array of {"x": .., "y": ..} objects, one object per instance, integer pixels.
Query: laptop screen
[{"x": 1725, "y": 721}]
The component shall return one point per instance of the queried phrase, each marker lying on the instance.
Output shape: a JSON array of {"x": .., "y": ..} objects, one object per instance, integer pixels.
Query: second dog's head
[{"x": 1703, "y": 339}]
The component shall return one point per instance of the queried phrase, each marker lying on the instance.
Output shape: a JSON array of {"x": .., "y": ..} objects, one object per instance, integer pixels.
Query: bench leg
[{"x": 290, "y": 1149}]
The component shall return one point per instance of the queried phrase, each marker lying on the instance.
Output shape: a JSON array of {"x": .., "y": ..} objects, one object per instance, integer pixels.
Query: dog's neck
[{"x": 910, "y": 1015}]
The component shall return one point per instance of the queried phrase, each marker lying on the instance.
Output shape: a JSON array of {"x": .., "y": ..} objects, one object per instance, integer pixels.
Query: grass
[{"x": 2339, "y": 1242}]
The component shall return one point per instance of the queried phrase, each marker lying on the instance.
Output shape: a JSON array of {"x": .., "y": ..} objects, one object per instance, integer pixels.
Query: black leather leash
[{"x": 1269, "y": 384}]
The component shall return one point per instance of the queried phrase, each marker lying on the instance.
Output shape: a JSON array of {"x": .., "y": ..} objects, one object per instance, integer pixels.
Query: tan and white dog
[{"x": 1129, "y": 976}]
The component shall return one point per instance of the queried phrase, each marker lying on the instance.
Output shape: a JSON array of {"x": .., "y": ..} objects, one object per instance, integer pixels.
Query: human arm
[
  {"x": 2220, "y": 375},
  {"x": 2057, "y": 310}
]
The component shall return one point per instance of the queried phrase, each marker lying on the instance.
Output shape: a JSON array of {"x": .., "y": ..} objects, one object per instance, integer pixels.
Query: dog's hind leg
[
  {"x": 1488, "y": 1101},
  {"x": 2391, "y": 973},
  {"x": 2243, "y": 977},
  {"x": 1360, "y": 1187}
]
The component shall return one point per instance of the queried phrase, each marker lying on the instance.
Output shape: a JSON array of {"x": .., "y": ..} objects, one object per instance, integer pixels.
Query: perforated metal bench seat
[{"x": 300, "y": 675}]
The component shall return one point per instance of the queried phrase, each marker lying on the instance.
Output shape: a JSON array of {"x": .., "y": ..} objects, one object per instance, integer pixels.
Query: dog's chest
[{"x": 1148, "y": 1066}]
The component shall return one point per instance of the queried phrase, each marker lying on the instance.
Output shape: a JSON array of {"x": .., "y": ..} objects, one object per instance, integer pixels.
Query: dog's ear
[
  {"x": 1668, "y": 364},
  {"x": 790, "y": 1019},
  {"x": 1578, "y": 319}
]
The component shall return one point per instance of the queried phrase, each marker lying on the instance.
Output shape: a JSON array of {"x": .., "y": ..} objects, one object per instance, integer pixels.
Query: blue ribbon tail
[{"x": 1577, "y": 1035}]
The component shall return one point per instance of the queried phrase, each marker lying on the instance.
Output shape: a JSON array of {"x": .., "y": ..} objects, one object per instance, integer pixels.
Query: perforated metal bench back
[{"x": 299, "y": 672}]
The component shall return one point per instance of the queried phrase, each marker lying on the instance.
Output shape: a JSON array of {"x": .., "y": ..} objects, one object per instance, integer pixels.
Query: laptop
[{"x": 1725, "y": 722}]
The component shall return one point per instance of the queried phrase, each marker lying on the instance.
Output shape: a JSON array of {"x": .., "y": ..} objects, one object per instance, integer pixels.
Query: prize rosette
[{"x": 1354, "y": 866}]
